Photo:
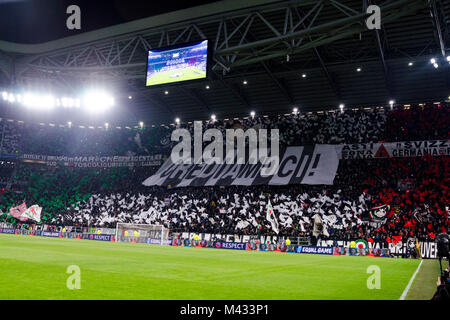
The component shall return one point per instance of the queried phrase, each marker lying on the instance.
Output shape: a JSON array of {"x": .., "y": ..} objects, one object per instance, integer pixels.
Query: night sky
[{"x": 35, "y": 21}]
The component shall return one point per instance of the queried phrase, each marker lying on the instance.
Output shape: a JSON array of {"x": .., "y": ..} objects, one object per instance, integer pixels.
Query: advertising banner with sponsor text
[{"x": 8, "y": 230}]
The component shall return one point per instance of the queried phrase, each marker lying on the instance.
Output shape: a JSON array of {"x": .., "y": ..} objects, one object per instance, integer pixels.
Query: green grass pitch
[
  {"x": 187, "y": 74},
  {"x": 35, "y": 268}
]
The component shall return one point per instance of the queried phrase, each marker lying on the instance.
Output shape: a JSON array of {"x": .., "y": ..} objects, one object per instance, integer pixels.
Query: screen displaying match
[{"x": 177, "y": 64}]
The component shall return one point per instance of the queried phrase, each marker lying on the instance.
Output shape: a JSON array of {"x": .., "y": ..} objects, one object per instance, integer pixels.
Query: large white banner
[
  {"x": 298, "y": 165},
  {"x": 394, "y": 149}
]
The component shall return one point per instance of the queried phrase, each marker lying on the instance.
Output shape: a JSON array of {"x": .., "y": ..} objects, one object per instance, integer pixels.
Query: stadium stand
[
  {"x": 415, "y": 189},
  {"x": 351, "y": 126}
]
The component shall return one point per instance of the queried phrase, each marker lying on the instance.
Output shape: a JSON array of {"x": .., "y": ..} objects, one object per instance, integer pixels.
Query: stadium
[{"x": 225, "y": 150}]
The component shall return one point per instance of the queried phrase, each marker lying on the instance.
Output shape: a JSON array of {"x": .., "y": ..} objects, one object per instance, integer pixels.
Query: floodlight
[{"x": 97, "y": 101}]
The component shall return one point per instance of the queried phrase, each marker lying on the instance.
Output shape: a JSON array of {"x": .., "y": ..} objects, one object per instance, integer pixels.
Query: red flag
[
  {"x": 388, "y": 240},
  {"x": 370, "y": 240},
  {"x": 17, "y": 212},
  {"x": 397, "y": 239},
  {"x": 432, "y": 236}
]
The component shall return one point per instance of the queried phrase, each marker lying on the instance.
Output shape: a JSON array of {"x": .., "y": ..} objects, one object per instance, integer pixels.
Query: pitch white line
[{"x": 405, "y": 292}]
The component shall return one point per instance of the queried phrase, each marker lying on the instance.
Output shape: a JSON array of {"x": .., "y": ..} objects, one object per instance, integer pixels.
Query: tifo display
[{"x": 217, "y": 150}]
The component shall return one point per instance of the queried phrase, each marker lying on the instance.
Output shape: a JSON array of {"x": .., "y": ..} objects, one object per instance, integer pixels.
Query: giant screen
[{"x": 181, "y": 63}]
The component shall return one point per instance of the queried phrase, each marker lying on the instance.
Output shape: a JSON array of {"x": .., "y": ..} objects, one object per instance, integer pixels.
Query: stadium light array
[
  {"x": 304, "y": 75},
  {"x": 93, "y": 101},
  {"x": 435, "y": 65},
  {"x": 141, "y": 124},
  {"x": 295, "y": 110},
  {"x": 166, "y": 92},
  {"x": 341, "y": 107},
  {"x": 213, "y": 117},
  {"x": 252, "y": 114},
  {"x": 358, "y": 69},
  {"x": 106, "y": 125},
  {"x": 433, "y": 61},
  {"x": 11, "y": 98},
  {"x": 97, "y": 101},
  {"x": 207, "y": 87},
  {"x": 244, "y": 82},
  {"x": 410, "y": 64},
  {"x": 448, "y": 58},
  {"x": 177, "y": 120},
  {"x": 130, "y": 97}
]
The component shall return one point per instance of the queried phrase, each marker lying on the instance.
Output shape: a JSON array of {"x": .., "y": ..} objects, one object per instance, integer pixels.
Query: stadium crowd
[
  {"x": 82, "y": 197},
  {"x": 350, "y": 126},
  {"x": 414, "y": 190}
]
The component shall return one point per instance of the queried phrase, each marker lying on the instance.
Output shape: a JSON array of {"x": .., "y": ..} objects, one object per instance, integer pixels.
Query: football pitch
[
  {"x": 36, "y": 268},
  {"x": 183, "y": 74}
]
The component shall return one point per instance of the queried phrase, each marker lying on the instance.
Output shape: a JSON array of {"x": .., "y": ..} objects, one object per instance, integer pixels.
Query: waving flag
[
  {"x": 319, "y": 228},
  {"x": 270, "y": 216},
  {"x": 396, "y": 239},
  {"x": 17, "y": 212},
  {"x": 33, "y": 212},
  {"x": 379, "y": 213}
]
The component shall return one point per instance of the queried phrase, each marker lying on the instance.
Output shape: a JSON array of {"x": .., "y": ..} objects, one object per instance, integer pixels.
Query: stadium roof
[{"x": 269, "y": 44}]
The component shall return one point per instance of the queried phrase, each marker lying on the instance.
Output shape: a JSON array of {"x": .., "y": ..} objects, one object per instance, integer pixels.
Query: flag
[
  {"x": 418, "y": 249},
  {"x": 17, "y": 212},
  {"x": 397, "y": 239},
  {"x": 33, "y": 212},
  {"x": 319, "y": 227},
  {"x": 270, "y": 216},
  {"x": 379, "y": 213}
]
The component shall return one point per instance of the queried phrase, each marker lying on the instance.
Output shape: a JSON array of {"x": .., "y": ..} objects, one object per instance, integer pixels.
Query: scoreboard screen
[{"x": 176, "y": 64}]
